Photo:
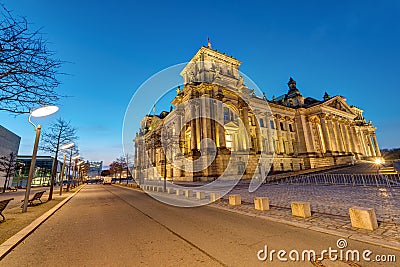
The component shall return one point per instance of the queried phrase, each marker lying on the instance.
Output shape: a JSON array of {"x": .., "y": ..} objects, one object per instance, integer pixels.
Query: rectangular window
[
  {"x": 261, "y": 123},
  {"x": 282, "y": 126},
  {"x": 226, "y": 114},
  {"x": 228, "y": 139},
  {"x": 291, "y": 127},
  {"x": 272, "y": 124}
]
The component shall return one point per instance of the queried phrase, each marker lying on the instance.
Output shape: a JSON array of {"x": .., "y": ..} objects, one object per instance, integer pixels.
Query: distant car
[{"x": 107, "y": 180}]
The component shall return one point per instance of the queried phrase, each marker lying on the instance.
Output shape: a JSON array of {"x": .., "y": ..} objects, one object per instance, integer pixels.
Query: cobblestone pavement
[{"x": 329, "y": 205}]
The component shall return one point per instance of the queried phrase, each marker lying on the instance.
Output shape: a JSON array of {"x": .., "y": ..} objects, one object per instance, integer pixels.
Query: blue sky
[{"x": 342, "y": 47}]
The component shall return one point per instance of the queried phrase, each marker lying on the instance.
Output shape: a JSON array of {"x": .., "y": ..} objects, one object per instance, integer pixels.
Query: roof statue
[{"x": 326, "y": 96}]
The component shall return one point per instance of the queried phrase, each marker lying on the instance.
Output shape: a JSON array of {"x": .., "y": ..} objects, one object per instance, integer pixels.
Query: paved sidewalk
[
  {"x": 330, "y": 205},
  {"x": 16, "y": 220},
  {"x": 332, "y": 199}
]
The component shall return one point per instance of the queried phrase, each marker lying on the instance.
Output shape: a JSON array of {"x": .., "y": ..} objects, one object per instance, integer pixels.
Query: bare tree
[
  {"x": 8, "y": 165},
  {"x": 116, "y": 167},
  {"x": 125, "y": 161},
  {"x": 28, "y": 69},
  {"x": 59, "y": 133}
]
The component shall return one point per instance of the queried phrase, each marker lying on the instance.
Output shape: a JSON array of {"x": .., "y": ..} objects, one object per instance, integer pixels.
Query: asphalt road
[{"x": 114, "y": 226}]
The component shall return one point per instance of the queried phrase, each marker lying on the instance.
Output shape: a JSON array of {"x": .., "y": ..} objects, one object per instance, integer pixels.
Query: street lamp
[
  {"x": 64, "y": 147},
  {"x": 39, "y": 112},
  {"x": 81, "y": 165},
  {"x": 75, "y": 159},
  {"x": 379, "y": 162}
]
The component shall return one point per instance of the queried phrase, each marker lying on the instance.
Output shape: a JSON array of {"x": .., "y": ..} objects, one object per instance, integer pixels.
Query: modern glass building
[
  {"x": 42, "y": 173},
  {"x": 95, "y": 168}
]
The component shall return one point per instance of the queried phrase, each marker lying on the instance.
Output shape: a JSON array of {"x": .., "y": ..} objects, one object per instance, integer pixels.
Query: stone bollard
[
  {"x": 301, "y": 209},
  {"x": 364, "y": 218},
  {"x": 160, "y": 189},
  {"x": 261, "y": 203},
  {"x": 200, "y": 195},
  {"x": 235, "y": 200},
  {"x": 170, "y": 190},
  {"x": 188, "y": 193},
  {"x": 215, "y": 197},
  {"x": 178, "y": 192}
]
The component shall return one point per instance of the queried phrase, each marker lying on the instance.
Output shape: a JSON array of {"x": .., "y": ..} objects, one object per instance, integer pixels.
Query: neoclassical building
[{"x": 291, "y": 131}]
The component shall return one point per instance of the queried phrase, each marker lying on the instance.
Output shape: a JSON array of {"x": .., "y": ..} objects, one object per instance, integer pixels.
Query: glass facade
[
  {"x": 42, "y": 172},
  {"x": 95, "y": 168}
]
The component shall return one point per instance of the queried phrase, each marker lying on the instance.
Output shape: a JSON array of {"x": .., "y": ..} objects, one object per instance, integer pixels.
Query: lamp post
[
  {"x": 39, "y": 112},
  {"x": 75, "y": 158},
  {"x": 81, "y": 168},
  {"x": 65, "y": 147},
  {"x": 62, "y": 174}
]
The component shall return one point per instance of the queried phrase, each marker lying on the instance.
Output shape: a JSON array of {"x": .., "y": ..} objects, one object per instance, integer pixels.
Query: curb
[{"x": 16, "y": 239}]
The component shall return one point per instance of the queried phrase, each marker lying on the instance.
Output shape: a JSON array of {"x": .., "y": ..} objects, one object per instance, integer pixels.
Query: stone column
[
  {"x": 377, "y": 150},
  {"x": 258, "y": 135},
  {"x": 345, "y": 137},
  {"x": 193, "y": 138},
  {"x": 339, "y": 137},
  {"x": 221, "y": 130},
  {"x": 198, "y": 121},
  {"x": 288, "y": 136},
  {"x": 136, "y": 152},
  {"x": 332, "y": 135},
  {"x": 363, "y": 144},
  {"x": 325, "y": 133},
  {"x": 348, "y": 137},
  {"x": 313, "y": 140},
  {"x": 178, "y": 129},
  {"x": 366, "y": 143},
  {"x": 245, "y": 119},
  {"x": 279, "y": 148},
  {"x": 203, "y": 126},
  {"x": 304, "y": 143},
  {"x": 353, "y": 136},
  {"x": 208, "y": 112},
  {"x": 271, "y": 134},
  {"x": 371, "y": 146}
]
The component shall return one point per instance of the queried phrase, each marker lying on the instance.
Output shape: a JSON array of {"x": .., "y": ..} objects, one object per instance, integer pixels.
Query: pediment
[
  {"x": 231, "y": 126},
  {"x": 339, "y": 104}
]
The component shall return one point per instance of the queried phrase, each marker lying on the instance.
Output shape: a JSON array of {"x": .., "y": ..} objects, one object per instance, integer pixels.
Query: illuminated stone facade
[{"x": 299, "y": 132}]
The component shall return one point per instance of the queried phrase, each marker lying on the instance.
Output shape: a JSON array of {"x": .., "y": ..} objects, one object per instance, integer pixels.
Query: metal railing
[{"x": 378, "y": 180}]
